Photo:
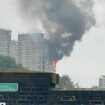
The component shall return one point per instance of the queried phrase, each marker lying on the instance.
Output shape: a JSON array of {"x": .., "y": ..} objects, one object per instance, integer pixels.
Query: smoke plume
[{"x": 64, "y": 21}]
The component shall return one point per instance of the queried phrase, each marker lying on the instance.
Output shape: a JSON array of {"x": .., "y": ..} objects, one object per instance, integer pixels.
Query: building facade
[
  {"x": 102, "y": 81},
  {"x": 5, "y": 41},
  {"x": 14, "y": 50},
  {"x": 32, "y": 52},
  {"x": 40, "y": 89}
]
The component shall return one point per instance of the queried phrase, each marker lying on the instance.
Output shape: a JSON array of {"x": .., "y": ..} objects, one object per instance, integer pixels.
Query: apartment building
[
  {"x": 33, "y": 53},
  {"x": 102, "y": 81},
  {"x": 5, "y": 41},
  {"x": 14, "y": 50}
]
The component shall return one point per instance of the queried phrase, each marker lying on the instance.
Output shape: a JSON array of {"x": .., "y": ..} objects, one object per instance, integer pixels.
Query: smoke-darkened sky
[
  {"x": 70, "y": 26},
  {"x": 64, "y": 22}
]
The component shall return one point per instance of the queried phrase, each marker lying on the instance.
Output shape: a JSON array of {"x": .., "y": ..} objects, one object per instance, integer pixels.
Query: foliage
[
  {"x": 8, "y": 62},
  {"x": 66, "y": 82},
  {"x": 95, "y": 87}
]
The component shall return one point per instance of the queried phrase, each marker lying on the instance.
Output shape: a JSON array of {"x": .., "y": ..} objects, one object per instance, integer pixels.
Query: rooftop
[{"x": 79, "y": 89}]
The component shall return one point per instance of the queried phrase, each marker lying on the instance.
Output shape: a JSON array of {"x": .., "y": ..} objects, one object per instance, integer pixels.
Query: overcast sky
[{"x": 87, "y": 61}]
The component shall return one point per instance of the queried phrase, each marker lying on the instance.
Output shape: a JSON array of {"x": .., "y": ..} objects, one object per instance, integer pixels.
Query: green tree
[
  {"x": 95, "y": 87},
  {"x": 66, "y": 82},
  {"x": 8, "y": 62}
]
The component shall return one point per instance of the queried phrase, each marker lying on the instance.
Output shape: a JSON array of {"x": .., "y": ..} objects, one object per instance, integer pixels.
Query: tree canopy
[
  {"x": 8, "y": 62},
  {"x": 66, "y": 82}
]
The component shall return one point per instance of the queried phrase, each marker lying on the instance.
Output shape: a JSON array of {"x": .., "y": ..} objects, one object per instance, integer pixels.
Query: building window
[{"x": 68, "y": 98}]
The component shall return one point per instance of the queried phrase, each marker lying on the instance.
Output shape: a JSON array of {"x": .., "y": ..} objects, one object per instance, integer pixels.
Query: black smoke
[{"x": 64, "y": 21}]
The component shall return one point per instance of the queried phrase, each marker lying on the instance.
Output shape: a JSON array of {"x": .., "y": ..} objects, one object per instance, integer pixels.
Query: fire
[{"x": 54, "y": 63}]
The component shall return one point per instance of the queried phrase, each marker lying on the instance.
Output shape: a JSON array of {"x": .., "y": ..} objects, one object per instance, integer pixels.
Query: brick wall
[
  {"x": 33, "y": 88},
  {"x": 39, "y": 89},
  {"x": 76, "y": 97}
]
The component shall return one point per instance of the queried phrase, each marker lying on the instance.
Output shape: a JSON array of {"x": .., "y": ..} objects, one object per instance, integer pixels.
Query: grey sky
[{"x": 87, "y": 61}]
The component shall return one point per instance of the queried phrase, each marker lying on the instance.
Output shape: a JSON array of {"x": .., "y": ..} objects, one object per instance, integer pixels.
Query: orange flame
[{"x": 54, "y": 63}]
